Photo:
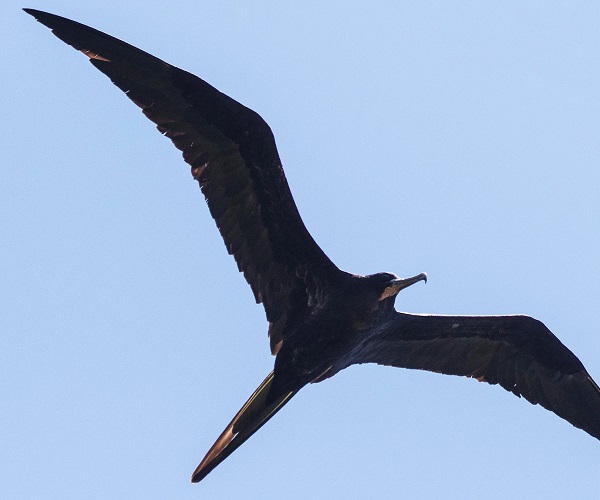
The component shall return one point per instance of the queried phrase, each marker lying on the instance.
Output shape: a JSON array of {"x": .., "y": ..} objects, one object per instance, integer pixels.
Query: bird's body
[
  {"x": 325, "y": 341},
  {"x": 321, "y": 319}
]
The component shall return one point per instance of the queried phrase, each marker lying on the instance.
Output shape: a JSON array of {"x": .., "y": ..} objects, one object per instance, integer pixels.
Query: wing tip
[{"x": 40, "y": 15}]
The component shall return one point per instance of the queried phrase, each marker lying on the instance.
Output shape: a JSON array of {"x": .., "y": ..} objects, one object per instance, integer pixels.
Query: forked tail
[{"x": 253, "y": 415}]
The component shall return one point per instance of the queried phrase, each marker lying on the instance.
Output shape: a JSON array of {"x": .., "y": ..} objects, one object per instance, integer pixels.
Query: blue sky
[{"x": 459, "y": 140}]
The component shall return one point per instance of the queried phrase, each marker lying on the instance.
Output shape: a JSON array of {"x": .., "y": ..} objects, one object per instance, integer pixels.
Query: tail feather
[{"x": 253, "y": 415}]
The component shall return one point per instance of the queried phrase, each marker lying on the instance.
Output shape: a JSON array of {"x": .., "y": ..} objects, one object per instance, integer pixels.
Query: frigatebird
[{"x": 321, "y": 319}]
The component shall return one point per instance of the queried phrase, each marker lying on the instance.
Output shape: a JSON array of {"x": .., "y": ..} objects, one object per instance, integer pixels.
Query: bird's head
[{"x": 388, "y": 284}]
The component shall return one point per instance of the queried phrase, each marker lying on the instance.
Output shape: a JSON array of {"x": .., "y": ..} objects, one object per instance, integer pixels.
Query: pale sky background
[{"x": 457, "y": 138}]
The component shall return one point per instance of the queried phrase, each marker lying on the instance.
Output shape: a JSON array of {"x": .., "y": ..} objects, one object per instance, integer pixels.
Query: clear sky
[{"x": 460, "y": 140}]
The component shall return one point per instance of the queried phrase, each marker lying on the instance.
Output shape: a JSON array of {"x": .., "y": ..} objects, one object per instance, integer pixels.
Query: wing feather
[
  {"x": 517, "y": 352},
  {"x": 234, "y": 158}
]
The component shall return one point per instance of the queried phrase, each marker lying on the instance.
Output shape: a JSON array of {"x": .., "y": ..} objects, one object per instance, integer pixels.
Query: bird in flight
[{"x": 321, "y": 319}]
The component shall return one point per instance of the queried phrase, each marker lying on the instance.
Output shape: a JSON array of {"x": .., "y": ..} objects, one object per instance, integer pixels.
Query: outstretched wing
[
  {"x": 517, "y": 352},
  {"x": 233, "y": 156}
]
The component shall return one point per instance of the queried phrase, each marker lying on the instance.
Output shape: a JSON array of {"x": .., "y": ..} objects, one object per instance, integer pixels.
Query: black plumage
[{"x": 321, "y": 319}]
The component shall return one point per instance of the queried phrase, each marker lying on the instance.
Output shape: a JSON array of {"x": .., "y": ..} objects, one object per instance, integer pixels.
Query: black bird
[{"x": 321, "y": 319}]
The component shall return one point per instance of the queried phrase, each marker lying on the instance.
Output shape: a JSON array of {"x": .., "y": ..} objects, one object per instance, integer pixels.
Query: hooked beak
[{"x": 400, "y": 284}]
